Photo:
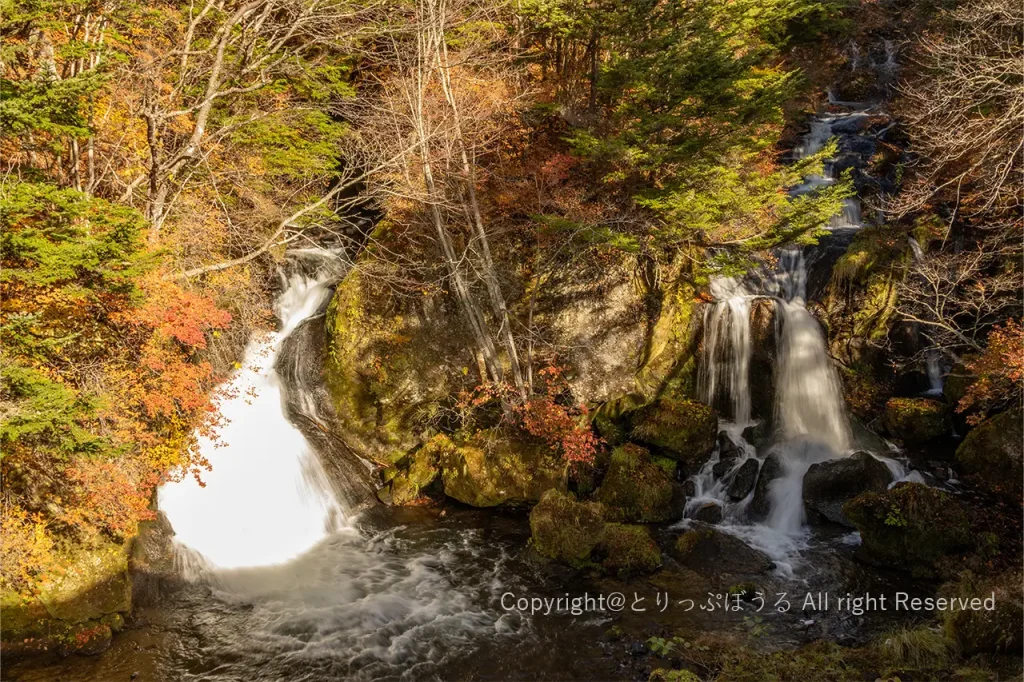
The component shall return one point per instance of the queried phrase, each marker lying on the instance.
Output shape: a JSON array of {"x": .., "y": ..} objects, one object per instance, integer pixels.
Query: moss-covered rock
[
  {"x": 681, "y": 429},
  {"x": 491, "y": 469},
  {"x": 611, "y": 420},
  {"x": 708, "y": 550},
  {"x": 407, "y": 479},
  {"x": 391, "y": 362},
  {"x": 564, "y": 529},
  {"x": 992, "y": 453},
  {"x": 980, "y": 630},
  {"x": 74, "y": 610},
  {"x": 636, "y": 489},
  {"x": 669, "y": 365},
  {"x": 916, "y": 420},
  {"x": 908, "y": 527},
  {"x": 628, "y": 550}
]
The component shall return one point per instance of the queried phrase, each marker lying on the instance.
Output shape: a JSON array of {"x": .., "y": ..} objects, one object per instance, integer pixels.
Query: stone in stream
[
  {"x": 723, "y": 466},
  {"x": 684, "y": 430},
  {"x": 637, "y": 489},
  {"x": 761, "y": 504},
  {"x": 758, "y": 434},
  {"x": 706, "y": 549},
  {"x": 829, "y": 485},
  {"x": 726, "y": 447},
  {"x": 564, "y": 529},
  {"x": 743, "y": 480},
  {"x": 709, "y": 513}
]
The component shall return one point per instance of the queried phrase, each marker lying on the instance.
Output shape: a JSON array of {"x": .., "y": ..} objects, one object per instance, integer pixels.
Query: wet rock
[
  {"x": 706, "y": 549},
  {"x": 684, "y": 430},
  {"x": 992, "y": 453},
  {"x": 916, "y": 420},
  {"x": 492, "y": 470},
  {"x": 628, "y": 550},
  {"x": 758, "y": 434},
  {"x": 852, "y": 124},
  {"x": 638, "y": 649},
  {"x": 762, "y": 358},
  {"x": 636, "y": 489},
  {"x": 829, "y": 485},
  {"x": 709, "y": 513},
  {"x": 689, "y": 488},
  {"x": 743, "y": 480},
  {"x": 772, "y": 469},
  {"x": 565, "y": 530},
  {"x": 726, "y": 447},
  {"x": 999, "y": 630},
  {"x": 723, "y": 466},
  {"x": 908, "y": 527}
]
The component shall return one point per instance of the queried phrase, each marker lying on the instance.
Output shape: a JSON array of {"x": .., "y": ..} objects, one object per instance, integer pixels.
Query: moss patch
[
  {"x": 628, "y": 550},
  {"x": 982, "y": 631},
  {"x": 916, "y": 420},
  {"x": 681, "y": 429},
  {"x": 565, "y": 530},
  {"x": 636, "y": 489},
  {"x": 909, "y": 527}
]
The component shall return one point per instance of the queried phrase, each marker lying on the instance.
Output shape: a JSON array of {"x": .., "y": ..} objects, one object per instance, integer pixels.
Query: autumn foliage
[
  {"x": 999, "y": 371},
  {"x": 564, "y": 428}
]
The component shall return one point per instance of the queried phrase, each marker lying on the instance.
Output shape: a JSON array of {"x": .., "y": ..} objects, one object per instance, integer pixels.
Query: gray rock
[
  {"x": 723, "y": 466},
  {"x": 829, "y": 485},
  {"x": 743, "y": 480},
  {"x": 760, "y": 505},
  {"x": 758, "y": 434}
]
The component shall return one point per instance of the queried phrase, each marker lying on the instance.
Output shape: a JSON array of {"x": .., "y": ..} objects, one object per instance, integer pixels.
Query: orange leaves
[
  {"x": 999, "y": 371},
  {"x": 557, "y": 424},
  {"x": 113, "y": 496},
  {"x": 182, "y": 315}
]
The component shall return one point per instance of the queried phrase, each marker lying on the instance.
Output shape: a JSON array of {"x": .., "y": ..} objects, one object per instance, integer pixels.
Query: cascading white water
[
  {"x": 267, "y": 498},
  {"x": 725, "y": 368}
]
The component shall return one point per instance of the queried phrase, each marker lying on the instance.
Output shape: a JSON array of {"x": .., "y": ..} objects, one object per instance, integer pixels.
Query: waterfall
[
  {"x": 267, "y": 498},
  {"x": 725, "y": 371}
]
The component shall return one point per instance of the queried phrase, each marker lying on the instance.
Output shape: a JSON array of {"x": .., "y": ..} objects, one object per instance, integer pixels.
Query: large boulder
[
  {"x": 74, "y": 610},
  {"x": 743, "y": 480},
  {"x": 492, "y": 469},
  {"x": 762, "y": 357},
  {"x": 908, "y": 527},
  {"x": 705, "y": 549},
  {"x": 996, "y": 627},
  {"x": 709, "y": 512},
  {"x": 914, "y": 421},
  {"x": 761, "y": 504},
  {"x": 611, "y": 420},
  {"x": 685, "y": 430},
  {"x": 829, "y": 485},
  {"x": 564, "y": 529},
  {"x": 628, "y": 550},
  {"x": 637, "y": 489},
  {"x": 391, "y": 363},
  {"x": 992, "y": 453}
]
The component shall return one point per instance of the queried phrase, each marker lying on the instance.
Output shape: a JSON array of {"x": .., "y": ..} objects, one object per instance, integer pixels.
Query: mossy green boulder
[
  {"x": 565, "y": 529},
  {"x": 628, "y": 550},
  {"x": 710, "y": 551},
  {"x": 493, "y": 469},
  {"x": 908, "y": 527},
  {"x": 916, "y": 420},
  {"x": 637, "y": 489},
  {"x": 391, "y": 362},
  {"x": 611, "y": 420},
  {"x": 999, "y": 630},
  {"x": 407, "y": 479},
  {"x": 684, "y": 430},
  {"x": 74, "y": 610},
  {"x": 992, "y": 453}
]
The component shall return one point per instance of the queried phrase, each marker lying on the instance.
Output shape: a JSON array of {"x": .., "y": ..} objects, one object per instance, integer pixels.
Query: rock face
[
  {"x": 992, "y": 453},
  {"x": 1000, "y": 630},
  {"x": 762, "y": 358},
  {"x": 416, "y": 471},
  {"x": 829, "y": 485},
  {"x": 685, "y": 430},
  {"x": 628, "y": 550},
  {"x": 915, "y": 421},
  {"x": 636, "y": 489},
  {"x": 708, "y": 550},
  {"x": 566, "y": 530},
  {"x": 743, "y": 480},
  {"x": 760, "y": 504},
  {"x": 709, "y": 513},
  {"x": 391, "y": 361},
  {"x": 908, "y": 527},
  {"x": 74, "y": 612},
  {"x": 492, "y": 470}
]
